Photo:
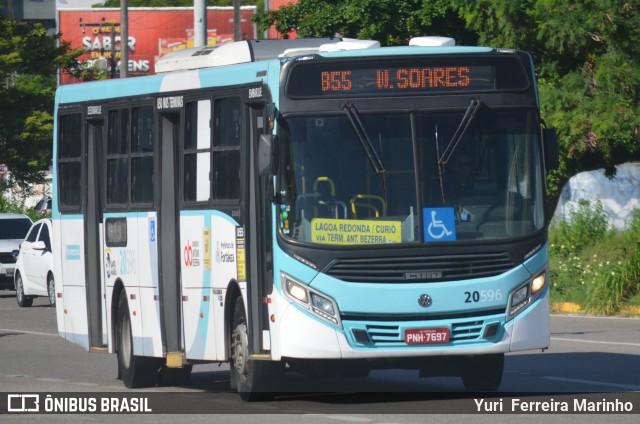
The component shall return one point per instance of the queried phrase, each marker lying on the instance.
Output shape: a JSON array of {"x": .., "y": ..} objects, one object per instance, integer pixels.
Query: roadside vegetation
[
  {"x": 12, "y": 206},
  {"x": 593, "y": 265}
]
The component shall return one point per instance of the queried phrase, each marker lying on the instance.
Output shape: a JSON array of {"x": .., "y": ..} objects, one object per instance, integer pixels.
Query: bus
[{"x": 317, "y": 206}]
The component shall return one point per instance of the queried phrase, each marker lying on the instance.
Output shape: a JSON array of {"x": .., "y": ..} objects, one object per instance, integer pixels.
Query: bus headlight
[
  {"x": 519, "y": 296},
  {"x": 298, "y": 292},
  {"x": 525, "y": 295},
  {"x": 322, "y": 303},
  {"x": 318, "y": 303}
]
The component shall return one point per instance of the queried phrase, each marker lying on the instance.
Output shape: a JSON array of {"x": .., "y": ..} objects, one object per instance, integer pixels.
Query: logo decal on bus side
[
  {"x": 110, "y": 264},
  {"x": 152, "y": 230},
  {"x": 191, "y": 253}
]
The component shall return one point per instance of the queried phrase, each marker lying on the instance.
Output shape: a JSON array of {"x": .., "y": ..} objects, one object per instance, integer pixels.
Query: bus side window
[
  {"x": 117, "y": 157},
  {"x": 226, "y": 148},
  {"x": 196, "y": 159},
  {"x": 70, "y": 161},
  {"x": 142, "y": 146}
]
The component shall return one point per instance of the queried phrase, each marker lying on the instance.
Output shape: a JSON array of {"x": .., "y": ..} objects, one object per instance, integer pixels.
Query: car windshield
[
  {"x": 360, "y": 178},
  {"x": 14, "y": 228}
]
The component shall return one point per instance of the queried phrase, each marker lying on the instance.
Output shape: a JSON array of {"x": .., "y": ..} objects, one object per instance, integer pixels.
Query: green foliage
[
  {"x": 176, "y": 3},
  {"x": 591, "y": 265},
  {"x": 588, "y": 67},
  {"x": 29, "y": 62},
  {"x": 585, "y": 53},
  {"x": 584, "y": 225},
  {"x": 392, "y": 22},
  {"x": 13, "y": 206}
]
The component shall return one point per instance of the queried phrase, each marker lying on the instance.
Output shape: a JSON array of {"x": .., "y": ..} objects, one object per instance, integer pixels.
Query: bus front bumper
[{"x": 299, "y": 335}]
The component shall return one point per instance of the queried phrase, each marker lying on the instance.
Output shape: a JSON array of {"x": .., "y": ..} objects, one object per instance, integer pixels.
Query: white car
[
  {"x": 13, "y": 229},
  {"x": 34, "y": 267}
]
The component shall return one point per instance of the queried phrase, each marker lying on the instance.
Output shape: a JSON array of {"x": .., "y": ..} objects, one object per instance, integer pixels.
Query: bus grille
[
  {"x": 391, "y": 335},
  {"x": 421, "y": 268}
]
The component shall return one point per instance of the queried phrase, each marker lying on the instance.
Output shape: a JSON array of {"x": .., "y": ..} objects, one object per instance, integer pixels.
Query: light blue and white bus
[{"x": 324, "y": 205}]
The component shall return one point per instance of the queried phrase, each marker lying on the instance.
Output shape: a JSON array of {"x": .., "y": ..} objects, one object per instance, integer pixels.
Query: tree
[
  {"x": 585, "y": 55},
  {"x": 392, "y": 22},
  {"x": 588, "y": 68},
  {"x": 175, "y": 3},
  {"x": 29, "y": 62}
]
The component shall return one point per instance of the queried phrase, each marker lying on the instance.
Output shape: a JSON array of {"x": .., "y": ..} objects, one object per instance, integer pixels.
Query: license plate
[
  {"x": 9, "y": 273},
  {"x": 426, "y": 335}
]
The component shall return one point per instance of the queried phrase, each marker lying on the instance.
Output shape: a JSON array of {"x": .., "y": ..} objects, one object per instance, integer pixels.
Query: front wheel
[
  {"x": 135, "y": 371},
  {"x": 483, "y": 373},
  {"x": 254, "y": 379},
  {"x": 24, "y": 301}
]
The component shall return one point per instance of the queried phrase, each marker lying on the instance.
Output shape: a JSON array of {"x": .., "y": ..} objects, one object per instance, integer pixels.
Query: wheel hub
[{"x": 240, "y": 350}]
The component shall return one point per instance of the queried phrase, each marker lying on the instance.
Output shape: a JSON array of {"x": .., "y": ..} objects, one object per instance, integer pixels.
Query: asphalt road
[{"x": 590, "y": 358}]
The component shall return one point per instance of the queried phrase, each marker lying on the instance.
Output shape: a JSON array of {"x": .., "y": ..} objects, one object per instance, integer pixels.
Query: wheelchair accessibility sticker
[{"x": 439, "y": 224}]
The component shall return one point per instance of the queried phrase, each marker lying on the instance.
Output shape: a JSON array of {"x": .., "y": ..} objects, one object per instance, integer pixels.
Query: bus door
[
  {"x": 96, "y": 311},
  {"x": 259, "y": 239},
  {"x": 169, "y": 237},
  {"x": 81, "y": 308}
]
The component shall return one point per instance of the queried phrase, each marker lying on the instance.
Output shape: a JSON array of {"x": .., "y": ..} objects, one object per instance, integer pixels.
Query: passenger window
[
  {"x": 226, "y": 148},
  {"x": 70, "y": 161},
  {"x": 142, "y": 148},
  {"x": 117, "y": 160},
  {"x": 197, "y": 155}
]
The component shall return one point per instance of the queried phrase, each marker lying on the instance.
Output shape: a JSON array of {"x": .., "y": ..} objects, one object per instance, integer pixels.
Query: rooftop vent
[
  {"x": 432, "y": 42},
  {"x": 350, "y": 44},
  {"x": 241, "y": 52}
]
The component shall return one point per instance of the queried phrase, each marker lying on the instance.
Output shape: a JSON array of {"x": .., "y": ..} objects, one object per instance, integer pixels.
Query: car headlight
[
  {"x": 318, "y": 303},
  {"x": 526, "y": 294}
]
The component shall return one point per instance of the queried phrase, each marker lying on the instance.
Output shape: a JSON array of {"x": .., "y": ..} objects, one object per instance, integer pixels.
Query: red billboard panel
[{"x": 153, "y": 32}]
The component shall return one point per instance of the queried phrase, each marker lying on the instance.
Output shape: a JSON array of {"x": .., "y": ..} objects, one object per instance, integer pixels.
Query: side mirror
[
  {"x": 265, "y": 144},
  {"x": 551, "y": 152},
  {"x": 267, "y": 154},
  {"x": 39, "y": 245}
]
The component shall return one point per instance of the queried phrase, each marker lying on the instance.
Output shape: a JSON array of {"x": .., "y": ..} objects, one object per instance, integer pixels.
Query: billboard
[{"x": 153, "y": 32}]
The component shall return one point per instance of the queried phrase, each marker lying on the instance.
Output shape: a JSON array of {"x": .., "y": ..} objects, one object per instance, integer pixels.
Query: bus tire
[
  {"x": 135, "y": 371},
  {"x": 254, "y": 380},
  {"x": 483, "y": 373},
  {"x": 24, "y": 301}
]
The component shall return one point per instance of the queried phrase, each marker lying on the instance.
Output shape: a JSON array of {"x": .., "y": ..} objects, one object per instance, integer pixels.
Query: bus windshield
[{"x": 362, "y": 178}]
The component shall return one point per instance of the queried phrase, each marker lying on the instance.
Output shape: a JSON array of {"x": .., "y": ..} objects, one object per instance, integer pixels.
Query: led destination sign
[
  {"x": 400, "y": 79},
  {"x": 414, "y": 77}
]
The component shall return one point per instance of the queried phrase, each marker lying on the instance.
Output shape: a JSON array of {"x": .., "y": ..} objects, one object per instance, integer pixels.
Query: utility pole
[
  {"x": 237, "y": 31},
  {"x": 124, "y": 38},
  {"x": 199, "y": 23}
]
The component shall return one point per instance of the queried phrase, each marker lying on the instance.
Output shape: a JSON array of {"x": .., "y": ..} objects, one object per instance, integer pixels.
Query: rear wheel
[
  {"x": 51, "y": 290},
  {"x": 483, "y": 373},
  {"x": 23, "y": 300},
  {"x": 135, "y": 371},
  {"x": 253, "y": 379}
]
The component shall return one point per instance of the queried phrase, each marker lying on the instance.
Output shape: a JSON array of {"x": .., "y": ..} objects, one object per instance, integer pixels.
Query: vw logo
[{"x": 424, "y": 300}]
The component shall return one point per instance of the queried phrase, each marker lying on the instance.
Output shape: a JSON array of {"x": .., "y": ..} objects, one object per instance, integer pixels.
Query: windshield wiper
[
  {"x": 462, "y": 128},
  {"x": 365, "y": 141},
  {"x": 469, "y": 114}
]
